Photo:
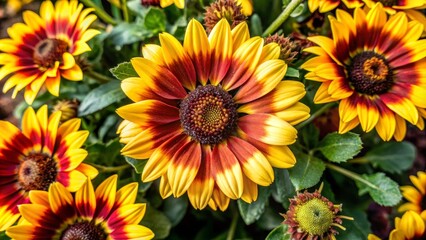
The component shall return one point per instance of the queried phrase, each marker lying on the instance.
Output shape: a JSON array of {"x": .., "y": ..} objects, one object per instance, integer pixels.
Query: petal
[
  {"x": 401, "y": 106},
  {"x": 253, "y": 163},
  {"x": 178, "y": 61},
  {"x": 61, "y": 202},
  {"x": 201, "y": 189},
  {"x": 85, "y": 200},
  {"x": 227, "y": 171},
  {"x": 244, "y": 63},
  {"x": 156, "y": 78},
  {"x": 196, "y": 44},
  {"x": 184, "y": 167},
  {"x": 153, "y": 53},
  {"x": 132, "y": 232},
  {"x": 126, "y": 215},
  {"x": 267, "y": 76},
  {"x": 143, "y": 144},
  {"x": 220, "y": 40},
  {"x": 240, "y": 34},
  {"x": 368, "y": 114},
  {"x": 149, "y": 113},
  {"x": 160, "y": 159},
  {"x": 268, "y": 129},
  {"x": 105, "y": 197}
]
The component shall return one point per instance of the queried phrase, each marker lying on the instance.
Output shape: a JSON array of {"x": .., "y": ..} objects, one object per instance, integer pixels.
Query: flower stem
[
  {"x": 359, "y": 160},
  {"x": 125, "y": 10},
  {"x": 102, "y": 168},
  {"x": 282, "y": 17},
  {"x": 350, "y": 174},
  {"x": 315, "y": 115},
  {"x": 98, "y": 77},
  {"x": 99, "y": 11},
  {"x": 233, "y": 226}
]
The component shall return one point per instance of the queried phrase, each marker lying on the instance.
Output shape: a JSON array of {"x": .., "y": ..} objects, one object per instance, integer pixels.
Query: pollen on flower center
[
  {"x": 48, "y": 51},
  {"x": 208, "y": 114},
  {"x": 370, "y": 74},
  {"x": 37, "y": 172},
  {"x": 83, "y": 230},
  {"x": 314, "y": 217}
]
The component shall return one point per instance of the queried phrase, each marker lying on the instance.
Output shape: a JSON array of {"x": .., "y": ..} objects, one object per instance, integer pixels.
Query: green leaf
[
  {"x": 256, "y": 25},
  {"x": 307, "y": 172},
  {"x": 292, "y": 72},
  {"x": 340, "y": 147},
  {"x": 175, "y": 209},
  {"x": 279, "y": 233},
  {"x": 123, "y": 70},
  {"x": 282, "y": 188},
  {"x": 157, "y": 222},
  {"x": 137, "y": 164},
  {"x": 382, "y": 189},
  {"x": 155, "y": 20},
  {"x": 252, "y": 212},
  {"x": 101, "y": 97},
  {"x": 393, "y": 157},
  {"x": 127, "y": 33},
  {"x": 357, "y": 229}
]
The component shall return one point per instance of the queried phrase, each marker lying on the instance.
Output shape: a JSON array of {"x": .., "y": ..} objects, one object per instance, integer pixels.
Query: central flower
[
  {"x": 375, "y": 72},
  {"x": 212, "y": 116},
  {"x": 370, "y": 74},
  {"x": 37, "y": 172},
  {"x": 208, "y": 114}
]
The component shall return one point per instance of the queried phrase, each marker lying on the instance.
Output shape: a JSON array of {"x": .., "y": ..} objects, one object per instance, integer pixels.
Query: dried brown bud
[{"x": 227, "y": 9}]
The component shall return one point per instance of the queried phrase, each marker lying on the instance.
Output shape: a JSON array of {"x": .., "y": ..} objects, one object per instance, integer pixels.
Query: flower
[
  {"x": 14, "y": 6},
  {"x": 43, "y": 153},
  {"x": 415, "y": 195},
  {"x": 213, "y": 116},
  {"x": 179, "y": 3},
  {"x": 288, "y": 48},
  {"x": 42, "y": 50},
  {"x": 247, "y": 6},
  {"x": 102, "y": 214},
  {"x": 378, "y": 80},
  {"x": 228, "y": 9},
  {"x": 313, "y": 216},
  {"x": 392, "y": 7},
  {"x": 68, "y": 107},
  {"x": 411, "y": 226},
  {"x": 328, "y": 5}
]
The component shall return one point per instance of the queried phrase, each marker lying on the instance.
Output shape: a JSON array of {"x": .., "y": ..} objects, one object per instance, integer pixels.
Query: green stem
[
  {"x": 99, "y": 12},
  {"x": 233, "y": 226},
  {"x": 350, "y": 174},
  {"x": 98, "y": 77},
  {"x": 102, "y": 168},
  {"x": 315, "y": 115},
  {"x": 125, "y": 10},
  {"x": 282, "y": 17}
]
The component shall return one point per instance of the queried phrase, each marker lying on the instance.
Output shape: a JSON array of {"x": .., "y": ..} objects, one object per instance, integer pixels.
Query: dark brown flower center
[
  {"x": 388, "y": 3},
  {"x": 208, "y": 114},
  {"x": 370, "y": 74},
  {"x": 37, "y": 172},
  {"x": 83, "y": 231},
  {"x": 48, "y": 51}
]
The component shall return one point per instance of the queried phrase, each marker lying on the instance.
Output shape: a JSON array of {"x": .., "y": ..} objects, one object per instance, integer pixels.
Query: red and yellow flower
[
  {"x": 415, "y": 195},
  {"x": 328, "y": 5},
  {"x": 213, "y": 116},
  {"x": 102, "y": 214},
  {"x": 42, "y": 50},
  {"x": 43, "y": 153},
  {"x": 375, "y": 67}
]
